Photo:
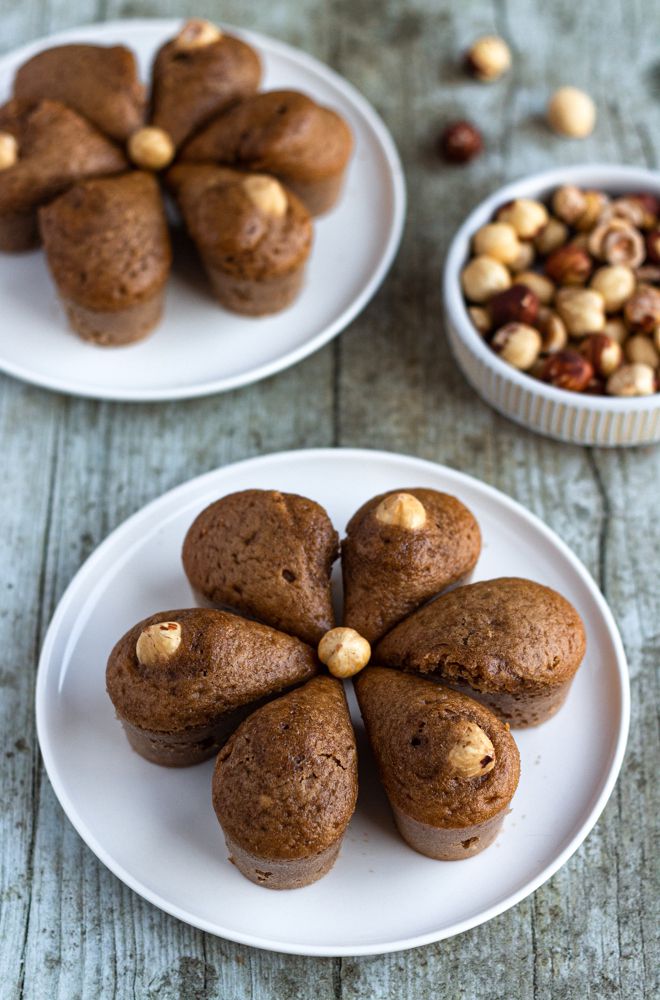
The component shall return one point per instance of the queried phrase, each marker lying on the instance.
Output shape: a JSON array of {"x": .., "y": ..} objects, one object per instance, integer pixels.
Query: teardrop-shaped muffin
[
  {"x": 254, "y": 236},
  {"x": 268, "y": 555},
  {"x": 99, "y": 82},
  {"x": 108, "y": 249},
  {"x": 197, "y": 74},
  {"x": 449, "y": 767},
  {"x": 401, "y": 549},
  {"x": 285, "y": 786},
  {"x": 181, "y": 681},
  {"x": 52, "y": 148},
  {"x": 284, "y": 133},
  {"x": 513, "y": 644}
]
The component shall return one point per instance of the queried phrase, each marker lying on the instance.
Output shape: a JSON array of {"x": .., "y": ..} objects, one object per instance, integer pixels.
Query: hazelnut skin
[
  {"x": 498, "y": 241},
  {"x": 616, "y": 283},
  {"x": 461, "y": 142},
  {"x": 571, "y": 113},
  {"x": 484, "y": 277},
  {"x": 632, "y": 380},
  {"x": 488, "y": 58},
  {"x": 642, "y": 310},
  {"x": 517, "y": 344},
  {"x": 603, "y": 353},
  {"x": 518, "y": 304},
  {"x": 582, "y": 310},
  {"x": 567, "y": 370},
  {"x": 528, "y": 217},
  {"x": 569, "y": 265}
]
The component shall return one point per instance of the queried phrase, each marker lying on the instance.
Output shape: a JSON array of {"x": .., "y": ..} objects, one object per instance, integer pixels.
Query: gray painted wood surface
[{"x": 75, "y": 469}]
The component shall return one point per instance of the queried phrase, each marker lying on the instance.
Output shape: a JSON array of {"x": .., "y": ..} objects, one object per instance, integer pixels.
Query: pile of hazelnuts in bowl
[{"x": 569, "y": 292}]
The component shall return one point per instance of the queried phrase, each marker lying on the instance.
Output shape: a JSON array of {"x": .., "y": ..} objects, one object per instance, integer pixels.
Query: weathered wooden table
[{"x": 75, "y": 469}]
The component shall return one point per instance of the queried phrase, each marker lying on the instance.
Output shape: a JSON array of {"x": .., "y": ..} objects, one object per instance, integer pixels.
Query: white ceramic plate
[
  {"x": 200, "y": 348},
  {"x": 155, "y": 828}
]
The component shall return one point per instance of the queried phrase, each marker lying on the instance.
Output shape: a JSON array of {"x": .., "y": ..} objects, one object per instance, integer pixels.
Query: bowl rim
[{"x": 615, "y": 177}]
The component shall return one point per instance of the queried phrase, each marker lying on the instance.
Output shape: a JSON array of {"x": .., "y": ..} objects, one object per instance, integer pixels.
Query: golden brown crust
[
  {"x": 107, "y": 241},
  {"x": 268, "y": 555},
  {"x": 410, "y": 723},
  {"x": 223, "y": 663},
  {"x": 496, "y": 636},
  {"x": 389, "y": 571},
  {"x": 190, "y": 86},
  {"x": 101, "y": 83},
  {"x": 285, "y": 784}
]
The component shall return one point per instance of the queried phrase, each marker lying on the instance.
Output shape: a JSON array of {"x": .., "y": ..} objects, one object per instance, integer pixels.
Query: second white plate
[
  {"x": 200, "y": 348},
  {"x": 155, "y": 828}
]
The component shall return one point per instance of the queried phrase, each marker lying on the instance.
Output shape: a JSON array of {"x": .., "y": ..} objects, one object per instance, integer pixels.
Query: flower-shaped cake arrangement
[
  {"x": 441, "y": 667},
  {"x": 86, "y": 156}
]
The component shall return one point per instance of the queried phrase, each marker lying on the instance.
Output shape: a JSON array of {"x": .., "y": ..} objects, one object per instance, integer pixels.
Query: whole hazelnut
[
  {"x": 267, "y": 195},
  {"x": 567, "y": 370},
  {"x": 8, "y": 150},
  {"x": 518, "y": 304},
  {"x": 582, "y": 310},
  {"x": 603, "y": 353},
  {"x": 572, "y": 113},
  {"x": 472, "y": 753},
  {"x": 498, "y": 241},
  {"x": 616, "y": 284},
  {"x": 653, "y": 246},
  {"x": 553, "y": 331},
  {"x": 525, "y": 258},
  {"x": 542, "y": 287},
  {"x": 553, "y": 235},
  {"x": 157, "y": 643},
  {"x": 488, "y": 58},
  {"x": 402, "y": 510},
  {"x": 642, "y": 310},
  {"x": 481, "y": 319},
  {"x": 617, "y": 242},
  {"x": 569, "y": 203},
  {"x": 517, "y": 344},
  {"x": 632, "y": 380},
  {"x": 344, "y": 651},
  {"x": 484, "y": 277},
  {"x": 596, "y": 207},
  {"x": 151, "y": 148},
  {"x": 616, "y": 329},
  {"x": 641, "y": 349},
  {"x": 460, "y": 142},
  {"x": 528, "y": 217},
  {"x": 569, "y": 265},
  {"x": 630, "y": 209},
  {"x": 197, "y": 34}
]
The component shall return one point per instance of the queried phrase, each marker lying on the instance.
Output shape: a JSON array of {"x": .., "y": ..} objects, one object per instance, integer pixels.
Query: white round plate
[
  {"x": 200, "y": 348},
  {"x": 155, "y": 828}
]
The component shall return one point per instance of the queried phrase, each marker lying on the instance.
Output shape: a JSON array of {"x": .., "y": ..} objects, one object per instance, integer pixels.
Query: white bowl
[{"x": 568, "y": 416}]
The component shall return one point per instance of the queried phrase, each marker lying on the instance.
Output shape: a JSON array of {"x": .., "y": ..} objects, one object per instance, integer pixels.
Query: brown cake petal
[
  {"x": 448, "y": 765},
  {"x": 285, "y": 786},
  {"x": 268, "y": 555},
  {"x": 98, "y": 82},
  {"x": 181, "y": 681},
  {"x": 513, "y": 644},
  {"x": 391, "y": 567}
]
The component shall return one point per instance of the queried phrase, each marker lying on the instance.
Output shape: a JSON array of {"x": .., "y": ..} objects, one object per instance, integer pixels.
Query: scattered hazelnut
[
  {"x": 525, "y": 258},
  {"x": 572, "y": 113},
  {"x": 632, "y": 380},
  {"x": 569, "y": 265},
  {"x": 151, "y": 148},
  {"x": 615, "y": 328},
  {"x": 616, "y": 284},
  {"x": 484, "y": 277},
  {"x": 518, "y": 304},
  {"x": 596, "y": 206},
  {"x": 603, "y": 353},
  {"x": 498, "y": 241},
  {"x": 641, "y": 349},
  {"x": 158, "y": 643},
  {"x": 481, "y": 319},
  {"x": 472, "y": 753},
  {"x": 569, "y": 203},
  {"x": 488, "y": 58},
  {"x": 553, "y": 331},
  {"x": 460, "y": 142},
  {"x": 617, "y": 242},
  {"x": 543, "y": 288},
  {"x": 517, "y": 344},
  {"x": 402, "y": 510},
  {"x": 553, "y": 235},
  {"x": 8, "y": 150},
  {"x": 197, "y": 34},
  {"x": 567, "y": 370},
  {"x": 642, "y": 310},
  {"x": 528, "y": 217},
  {"x": 344, "y": 651},
  {"x": 267, "y": 195},
  {"x": 582, "y": 310},
  {"x": 653, "y": 246}
]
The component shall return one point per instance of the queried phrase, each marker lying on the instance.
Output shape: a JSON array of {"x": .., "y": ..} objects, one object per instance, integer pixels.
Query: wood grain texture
[{"x": 75, "y": 469}]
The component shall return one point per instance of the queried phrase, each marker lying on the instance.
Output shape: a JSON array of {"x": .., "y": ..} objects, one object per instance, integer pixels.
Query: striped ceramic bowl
[{"x": 569, "y": 416}]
